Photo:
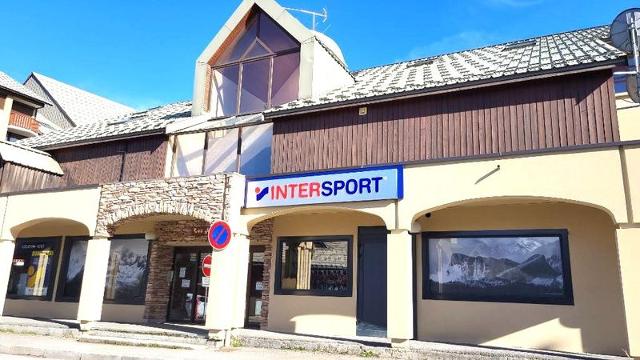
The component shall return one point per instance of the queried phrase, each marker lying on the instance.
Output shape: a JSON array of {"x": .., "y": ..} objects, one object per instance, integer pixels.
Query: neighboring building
[
  {"x": 489, "y": 196},
  {"x": 69, "y": 106},
  {"x": 18, "y": 109}
]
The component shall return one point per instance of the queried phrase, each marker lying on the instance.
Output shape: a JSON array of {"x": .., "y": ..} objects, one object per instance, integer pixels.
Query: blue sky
[{"x": 142, "y": 52}]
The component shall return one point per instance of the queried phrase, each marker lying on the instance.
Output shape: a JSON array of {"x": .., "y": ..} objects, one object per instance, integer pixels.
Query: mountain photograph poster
[{"x": 507, "y": 266}]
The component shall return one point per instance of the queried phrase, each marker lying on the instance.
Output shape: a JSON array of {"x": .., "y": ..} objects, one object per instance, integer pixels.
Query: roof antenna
[
  {"x": 324, "y": 15},
  {"x": 624, "y": 36}
]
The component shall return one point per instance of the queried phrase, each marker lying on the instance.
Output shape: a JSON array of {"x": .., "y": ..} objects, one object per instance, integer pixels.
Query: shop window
[
  {"x": 33, "y": 268},
  {"x": 127, "y": 270},
  {"x": 319, "y": 266},
  {"x": 528, "y": 266},
  {"x": 257, "y": 70},
  {"x": 70, "y": 281}
]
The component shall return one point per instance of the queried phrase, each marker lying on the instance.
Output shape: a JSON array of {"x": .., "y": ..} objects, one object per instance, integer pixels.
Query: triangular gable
[{"x": 279, "y": 14}]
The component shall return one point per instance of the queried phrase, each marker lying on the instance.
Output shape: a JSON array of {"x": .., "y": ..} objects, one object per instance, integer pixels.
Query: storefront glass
[
  {"x": 127, "y": 271},
  {"x": 33, "y": 268},
  {"x": 315, "y": 266},
  {"x": 70, "y": 282},
  {"x": 511, "y": 266}
]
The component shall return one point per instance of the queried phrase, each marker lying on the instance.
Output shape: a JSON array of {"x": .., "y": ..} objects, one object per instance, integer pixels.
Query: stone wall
[
  {"x": 169, "y": 234},
  {"x": 200, "y": 197},
  {"x": 261, "y": 234}
]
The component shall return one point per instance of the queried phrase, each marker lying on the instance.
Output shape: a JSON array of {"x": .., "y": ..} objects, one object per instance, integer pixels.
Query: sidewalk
[
  {"x": 68, "y": 349},
  {"x": 113, "y": 341}
]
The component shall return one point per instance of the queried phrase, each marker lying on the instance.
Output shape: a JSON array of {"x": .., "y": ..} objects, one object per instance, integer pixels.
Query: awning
[{"x": 32, "y": 158}]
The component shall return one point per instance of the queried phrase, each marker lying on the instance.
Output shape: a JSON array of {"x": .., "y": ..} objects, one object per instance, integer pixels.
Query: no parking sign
[{"x": 219, "y": 235}]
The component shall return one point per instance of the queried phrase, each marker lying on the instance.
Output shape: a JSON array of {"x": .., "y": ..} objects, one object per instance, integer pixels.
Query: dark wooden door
[{"x": 372, "y": 281}]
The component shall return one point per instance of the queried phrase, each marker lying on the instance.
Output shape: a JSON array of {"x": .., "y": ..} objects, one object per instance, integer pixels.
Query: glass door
[
  {"x": 255, "y": 287},
  {"x": 181, "y": 302}
]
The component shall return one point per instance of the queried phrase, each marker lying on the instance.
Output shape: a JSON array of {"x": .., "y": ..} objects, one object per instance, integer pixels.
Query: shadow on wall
[{"x": 594, "y": 323}]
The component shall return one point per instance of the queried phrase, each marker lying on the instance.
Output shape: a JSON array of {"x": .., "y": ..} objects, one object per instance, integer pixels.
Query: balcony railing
[{"x": 23, "y": 121}]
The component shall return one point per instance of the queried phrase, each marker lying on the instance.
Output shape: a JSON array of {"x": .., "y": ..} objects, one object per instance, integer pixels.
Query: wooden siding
[
  {"x": 137, "y": 159},
  {"x": 528, "y": 116},
  {"x": 14, "y": 177}
]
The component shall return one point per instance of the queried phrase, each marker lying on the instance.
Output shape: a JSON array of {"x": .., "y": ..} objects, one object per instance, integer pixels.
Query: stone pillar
[
  {"x": 6, "y": 256},
  {"x": 628, "y": 241},
  {"x": 93, "y": 281},
  {"x": 227, "y": 289},
  {"x": 399, "y": 287}
]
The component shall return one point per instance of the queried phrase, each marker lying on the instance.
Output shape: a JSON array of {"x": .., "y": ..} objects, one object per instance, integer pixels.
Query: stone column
[
  {"x": 628, "y": 241},
  {"x": 399, "y": 287},
  {"x": 93, "y": 281},
  {"x": 227, "y": 289},
  {"x": 6, "y": 256}
]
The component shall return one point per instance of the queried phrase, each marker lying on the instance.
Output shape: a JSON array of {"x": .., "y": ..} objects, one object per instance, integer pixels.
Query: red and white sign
[
  {"x": 219, "y": 235},
  {"x": 206, "y": 266}
]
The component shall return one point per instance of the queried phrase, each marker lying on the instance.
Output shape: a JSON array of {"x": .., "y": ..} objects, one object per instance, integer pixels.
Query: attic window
[
  {"x": 519, "y": 45},
  {"x": 422, "y": 62},
  {"x": 259, "y": 68}
]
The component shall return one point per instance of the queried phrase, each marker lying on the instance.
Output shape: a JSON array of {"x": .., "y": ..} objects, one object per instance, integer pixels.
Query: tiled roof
[
  {"x": 81, "y": 106},
  {"x": 148, "y": 121},
  {"x": 9, "y": 83},
  {"x": 26, "y": 156},
  {"x": 557, "y": 52}
]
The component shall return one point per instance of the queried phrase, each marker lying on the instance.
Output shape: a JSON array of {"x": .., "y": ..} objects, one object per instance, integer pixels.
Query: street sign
[
  {"x": 219, "y": 235},
  {"x": 206, "y": 266}
]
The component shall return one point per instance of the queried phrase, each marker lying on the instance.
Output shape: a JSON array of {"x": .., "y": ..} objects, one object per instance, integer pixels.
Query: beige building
[{"x": 488, "y": 197}]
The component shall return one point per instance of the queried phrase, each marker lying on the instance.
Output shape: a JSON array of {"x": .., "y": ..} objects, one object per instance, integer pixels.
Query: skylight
[{"x": 519, "y": 45}]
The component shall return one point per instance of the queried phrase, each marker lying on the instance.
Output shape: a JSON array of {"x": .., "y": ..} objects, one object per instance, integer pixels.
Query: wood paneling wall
[
  {"x": 15, "y": 177},
  {"x": 533, "y": 115},
  {"x": 137, "y": 159}
]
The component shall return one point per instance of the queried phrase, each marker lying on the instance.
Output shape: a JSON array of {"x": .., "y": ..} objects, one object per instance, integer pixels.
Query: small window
[
  {"x": 526, "y": 266},
  {"x": 319, "y": 266},
  {"x": 13, "y": 137},
  {"x": 70, "y": 281},
  {"x": 127, "y": 270},
  {"x": 33, "y": 268}
]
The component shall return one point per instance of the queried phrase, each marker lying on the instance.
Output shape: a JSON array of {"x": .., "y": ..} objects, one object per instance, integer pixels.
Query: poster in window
[
  {"x": 498, "y": 268},
  {"x": 126, "y": 273},
  {"x": 33, "y": 267},
  {"x": 75, "y": 269}
]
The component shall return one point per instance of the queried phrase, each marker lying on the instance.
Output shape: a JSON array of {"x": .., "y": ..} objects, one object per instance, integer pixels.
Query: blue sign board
[{"x": 366, "y": 184}]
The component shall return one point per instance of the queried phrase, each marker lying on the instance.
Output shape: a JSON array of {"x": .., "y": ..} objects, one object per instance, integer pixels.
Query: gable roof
[
  {"x": 563, "y": 52},
  {"x": 148, "y": 122},
  {"x": 79, "y": 106},
  {"x": 10, "y": 84}
]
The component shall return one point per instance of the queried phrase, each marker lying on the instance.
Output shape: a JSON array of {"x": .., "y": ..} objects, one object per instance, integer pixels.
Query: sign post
[{"x": 219, "y": 235}]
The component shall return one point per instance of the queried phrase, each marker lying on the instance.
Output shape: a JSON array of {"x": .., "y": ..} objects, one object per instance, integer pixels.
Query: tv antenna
[
  {"x": 314, "y": 14},
  {"x": 624, "y": 36}
]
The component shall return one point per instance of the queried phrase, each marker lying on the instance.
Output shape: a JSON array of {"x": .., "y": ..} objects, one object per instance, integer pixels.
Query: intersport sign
[{"x": 366, "y": 184}]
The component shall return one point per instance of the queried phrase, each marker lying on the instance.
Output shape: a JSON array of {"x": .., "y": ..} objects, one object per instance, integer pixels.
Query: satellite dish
[
  {"x": 621, "y": 29},
  {"x": 632, "y": 88},
  {"x": 624, "y": 36}
]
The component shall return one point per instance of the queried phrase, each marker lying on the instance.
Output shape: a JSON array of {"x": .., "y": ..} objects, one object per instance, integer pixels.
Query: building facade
[{"x": 484, "y": 197}]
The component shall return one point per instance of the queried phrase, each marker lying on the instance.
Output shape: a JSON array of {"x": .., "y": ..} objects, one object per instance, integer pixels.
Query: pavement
[
  {"x": 61, "y": 339},
  {"x": 33, "y": 346}
]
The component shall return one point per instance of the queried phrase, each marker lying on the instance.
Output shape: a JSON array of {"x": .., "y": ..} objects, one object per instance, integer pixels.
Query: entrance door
[
  {"x": 372, "y": 282},
  {"x": 188, "y": 292},
  {"x": 254, "y": 287}
]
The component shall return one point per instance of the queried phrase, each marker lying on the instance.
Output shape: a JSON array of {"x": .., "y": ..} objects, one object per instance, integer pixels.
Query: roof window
[
  {"x": 519, "y": 45},
  {"x": 422, "y": 62}
]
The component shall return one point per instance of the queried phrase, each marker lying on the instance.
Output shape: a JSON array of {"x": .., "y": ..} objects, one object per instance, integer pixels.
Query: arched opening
[
  {"x": 520, "y": 272},
  {"x": 154, "y": 271},
  {"x": 46, "y": 269},
  {"x": 311, "y": 279}
]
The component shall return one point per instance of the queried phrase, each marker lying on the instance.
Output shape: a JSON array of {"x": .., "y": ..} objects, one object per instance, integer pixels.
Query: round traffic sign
[
  {"x": 219, "y": 235},
  {"x": 206, "y": 266}
]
